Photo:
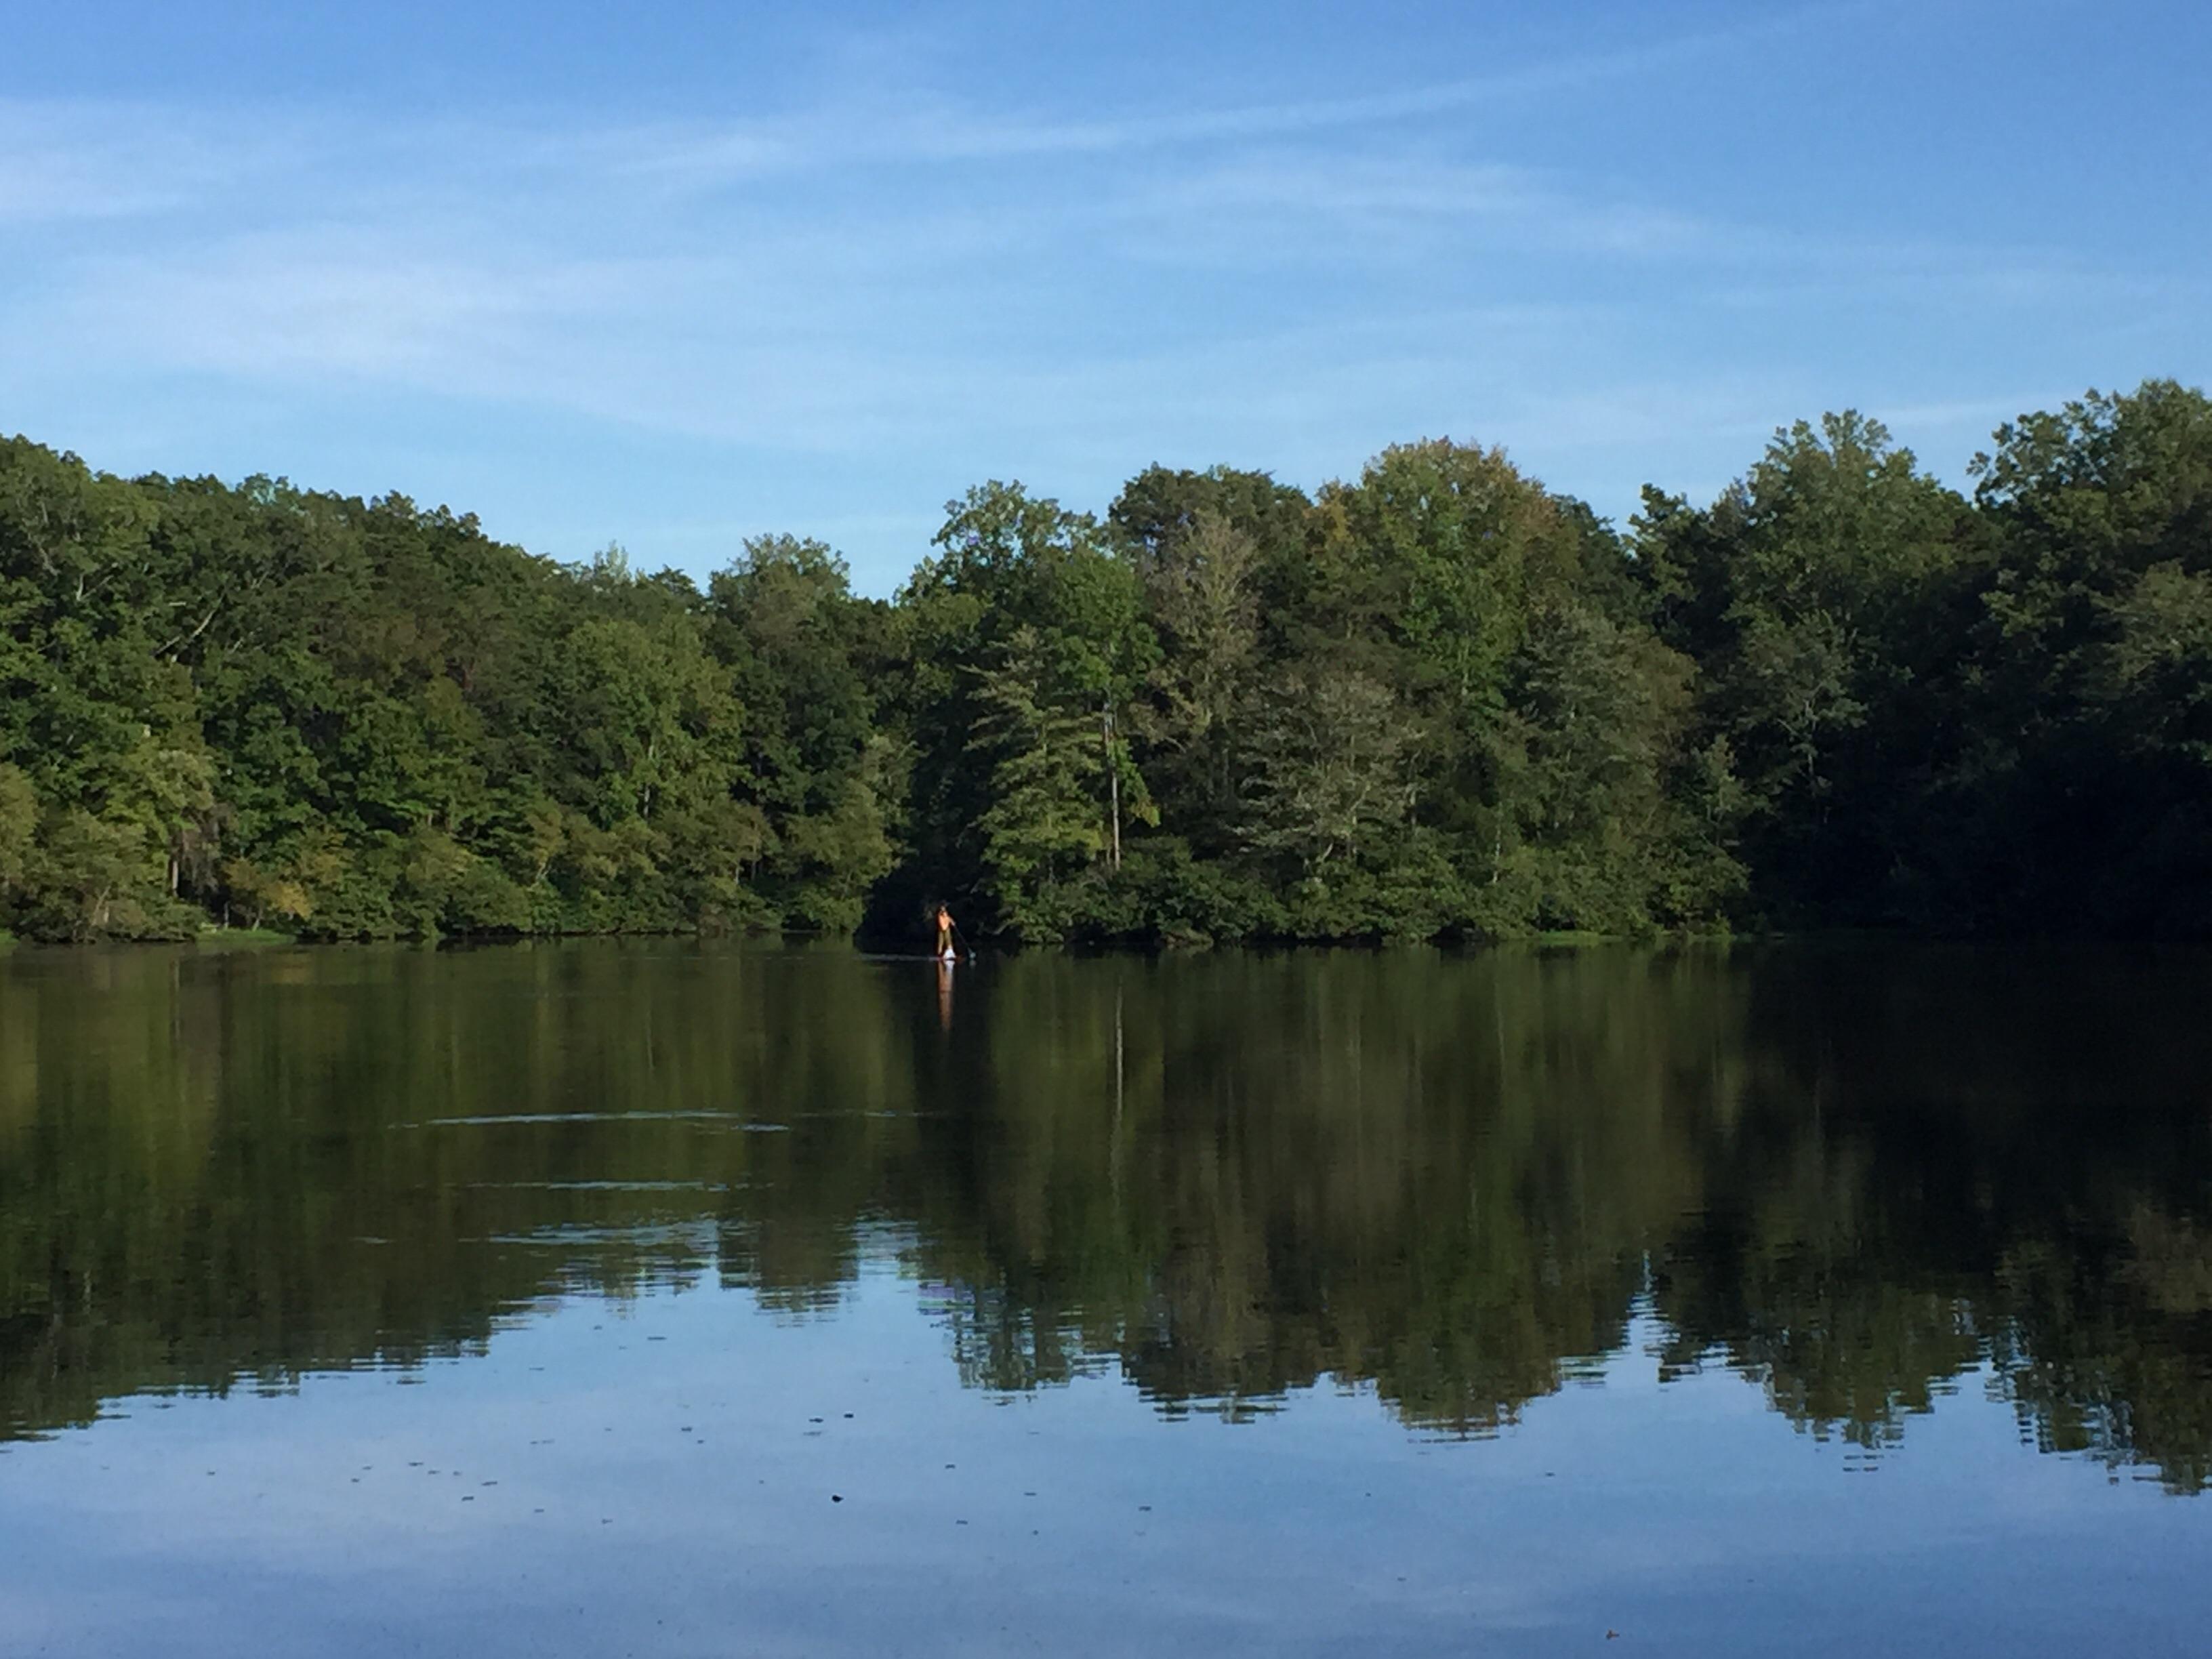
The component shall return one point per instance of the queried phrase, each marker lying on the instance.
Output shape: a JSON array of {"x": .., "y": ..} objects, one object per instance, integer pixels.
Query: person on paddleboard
[{"x": 944, "y": 932}]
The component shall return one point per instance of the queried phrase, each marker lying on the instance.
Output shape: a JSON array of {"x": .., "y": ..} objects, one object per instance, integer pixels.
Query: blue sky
[{"x": 674, "y": 275}]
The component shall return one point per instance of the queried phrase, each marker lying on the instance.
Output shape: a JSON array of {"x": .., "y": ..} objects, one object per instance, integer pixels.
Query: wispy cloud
[
  {"x": 861, "y": 304},
  {"x": 75, "y": 162},
  {"x": 1270, "y": 205},
  {"x": 889, "y": 122}
]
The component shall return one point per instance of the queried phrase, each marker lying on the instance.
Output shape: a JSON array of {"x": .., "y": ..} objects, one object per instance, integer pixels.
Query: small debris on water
[{"x": 836, "y": 1498}]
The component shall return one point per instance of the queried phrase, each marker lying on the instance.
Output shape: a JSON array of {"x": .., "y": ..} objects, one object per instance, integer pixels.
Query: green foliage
[
  {"x": 1027, "y": 645},
  {"x": 1824, "y": 598},
  {"x": 18, "y": 825},
  {"x": 814, "y": 768},
  {"x": 355, "y": 720},
  {"x": 1041, "y": 829},
  {"x": 1202, "y": 589},
  {"x": 1328, "y": 753},
  {"x": 1434, "y": 699}
]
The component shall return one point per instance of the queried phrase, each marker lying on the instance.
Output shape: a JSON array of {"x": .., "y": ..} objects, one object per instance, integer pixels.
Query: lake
[{"x": 658, "y": 1298}]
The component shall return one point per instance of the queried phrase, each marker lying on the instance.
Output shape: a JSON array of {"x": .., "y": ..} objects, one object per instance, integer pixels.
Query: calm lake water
[{"x": 648, "y": 1297}]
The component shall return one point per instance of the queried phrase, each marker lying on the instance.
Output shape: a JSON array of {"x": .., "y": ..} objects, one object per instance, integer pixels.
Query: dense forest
[{"x": 1435, "y": 701}]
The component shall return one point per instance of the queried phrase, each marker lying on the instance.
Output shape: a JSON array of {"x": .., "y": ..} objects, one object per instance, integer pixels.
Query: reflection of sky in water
[
  {"x": 649, "y": 1478},
  {"x": 1495, "y": 1187}
]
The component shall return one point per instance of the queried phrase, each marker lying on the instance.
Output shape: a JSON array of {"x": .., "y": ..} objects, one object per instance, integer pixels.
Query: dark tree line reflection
[{"x": 1860, "y": 1178}]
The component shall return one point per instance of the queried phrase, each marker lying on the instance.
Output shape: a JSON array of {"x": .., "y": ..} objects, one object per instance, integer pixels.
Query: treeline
[{"x": 1437, "y": 700}]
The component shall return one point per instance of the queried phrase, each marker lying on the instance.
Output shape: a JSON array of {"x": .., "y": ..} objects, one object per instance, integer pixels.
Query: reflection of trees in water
[
  {"x": 1967, "y": 1161},
  {"x": 1860, "y": 1179}
]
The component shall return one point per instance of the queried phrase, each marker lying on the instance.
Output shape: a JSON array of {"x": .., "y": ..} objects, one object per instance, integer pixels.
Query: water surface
[{"x": 661, "y": 1299}]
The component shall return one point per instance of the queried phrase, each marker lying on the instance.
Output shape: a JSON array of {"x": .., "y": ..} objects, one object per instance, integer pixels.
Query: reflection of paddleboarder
[{"x": 945, "y": 933}]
